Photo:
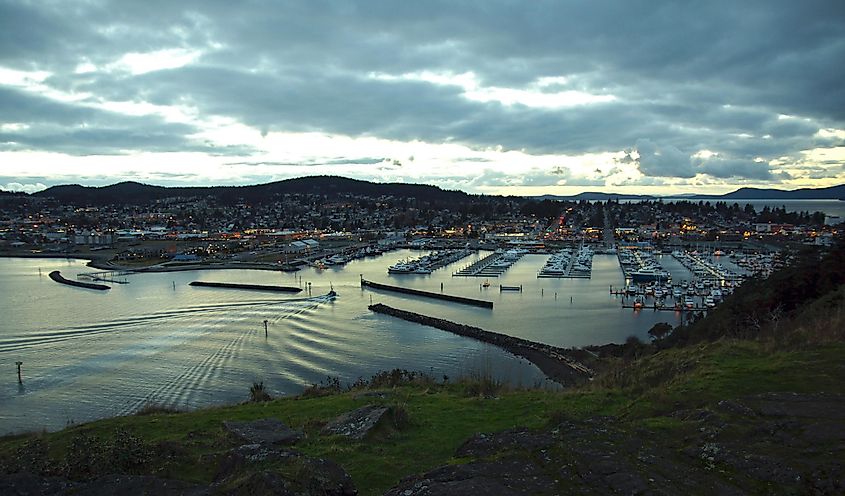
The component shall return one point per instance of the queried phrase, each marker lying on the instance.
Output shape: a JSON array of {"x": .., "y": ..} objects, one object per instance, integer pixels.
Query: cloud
[
  {"x": 665, "y": 161},
  {"x": 735, "y": 168},
  {"x": 26, "y": 188},
  {"x": 559, "y": 78}
]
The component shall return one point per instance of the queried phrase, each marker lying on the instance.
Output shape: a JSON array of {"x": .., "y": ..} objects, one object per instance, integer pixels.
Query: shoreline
[{"x": 96, "y": 262}]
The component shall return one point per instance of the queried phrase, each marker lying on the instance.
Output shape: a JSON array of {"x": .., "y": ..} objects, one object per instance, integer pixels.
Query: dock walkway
[{"x": 474, "y": 269}]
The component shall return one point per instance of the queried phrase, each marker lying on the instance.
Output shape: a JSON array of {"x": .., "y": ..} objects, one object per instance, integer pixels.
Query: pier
[
  {"x": 112, "y": 276},
  {"x": 57, "y": 276},
  {"x": 668, "y": 308},
  {"x": 252, "y": 287},
  {"x": 559, "y": 364},
  {"x": 417, "y": 292},
  {"x": 492, "y": 265},
  {"x": 473, "y": 269}
]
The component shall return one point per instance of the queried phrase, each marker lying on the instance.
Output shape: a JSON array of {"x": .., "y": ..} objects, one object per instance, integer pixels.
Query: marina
[{"x": 428, "y": 263}]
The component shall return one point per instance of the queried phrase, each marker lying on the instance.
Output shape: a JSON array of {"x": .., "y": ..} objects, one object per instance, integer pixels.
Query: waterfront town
[{"x": 330, "y": 229}]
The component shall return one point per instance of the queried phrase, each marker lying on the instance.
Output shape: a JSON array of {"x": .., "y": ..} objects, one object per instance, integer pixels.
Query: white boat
[
  {"x": 648, "y": 274},
  {"x": 401, "y": 268},
  {"x": 338, "y": 259}
]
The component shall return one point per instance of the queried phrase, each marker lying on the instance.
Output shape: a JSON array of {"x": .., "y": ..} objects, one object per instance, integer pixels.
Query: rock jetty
[{"x": 559, "y": 364}]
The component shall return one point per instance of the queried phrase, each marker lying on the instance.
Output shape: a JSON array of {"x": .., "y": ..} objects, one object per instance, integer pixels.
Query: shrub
[{"x": 257, "y": 393}]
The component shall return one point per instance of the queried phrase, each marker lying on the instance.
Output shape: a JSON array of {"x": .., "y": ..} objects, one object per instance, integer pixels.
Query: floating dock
[
  {"x": 559, "y": 364},
  {"x": 428, "y": 294},
  {"x": 57, "y": 276},
  {"x": 252, "y": 287},
  {"x": 492, "y": 265},
  {"x": 474, "y": 269}
]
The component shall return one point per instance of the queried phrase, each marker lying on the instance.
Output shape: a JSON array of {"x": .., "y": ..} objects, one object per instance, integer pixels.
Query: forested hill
[
  {"x": 330, "y": 186},
  {"x": 831, "y": 193}
]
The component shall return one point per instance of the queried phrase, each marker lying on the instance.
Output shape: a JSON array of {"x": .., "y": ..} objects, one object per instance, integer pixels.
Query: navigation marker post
[{"x": 19, "y": 372}]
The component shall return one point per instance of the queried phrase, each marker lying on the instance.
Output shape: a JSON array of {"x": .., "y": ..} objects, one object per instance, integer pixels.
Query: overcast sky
[{"x": 521, "y": 97}]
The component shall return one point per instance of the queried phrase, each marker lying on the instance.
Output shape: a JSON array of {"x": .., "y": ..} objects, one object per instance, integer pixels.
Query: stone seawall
[
  {"x": 253, "y": 287},
  {"x": 440, "y": 296},
  {"x": 57, "y": 276},
  {"x": 559, "y": 364}
]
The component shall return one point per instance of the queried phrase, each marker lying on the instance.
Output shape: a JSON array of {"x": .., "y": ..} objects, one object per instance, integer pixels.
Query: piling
[
  {"x": 20, "y": 381},
  {"x": 265, "y": 328}
]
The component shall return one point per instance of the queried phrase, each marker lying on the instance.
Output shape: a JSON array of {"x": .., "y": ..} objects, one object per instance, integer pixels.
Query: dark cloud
[{"x": 686, "y": 76}]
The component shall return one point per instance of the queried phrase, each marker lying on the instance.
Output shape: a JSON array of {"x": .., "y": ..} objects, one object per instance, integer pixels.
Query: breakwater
[
  {"x": 559, "y": 364},
  {"x": 252, "y": 287},
  {"x": 428, "y": 294},
  {"x": 57, "y": 276}
]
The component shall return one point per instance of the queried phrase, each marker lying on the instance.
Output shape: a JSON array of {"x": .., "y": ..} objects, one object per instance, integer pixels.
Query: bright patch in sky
[
  {"x": 534, "y": 95},
  {"x": 140, "y": 63}
]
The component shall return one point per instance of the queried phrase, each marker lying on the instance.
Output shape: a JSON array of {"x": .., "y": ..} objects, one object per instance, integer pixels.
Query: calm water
[{"x": 90, "y": 354}]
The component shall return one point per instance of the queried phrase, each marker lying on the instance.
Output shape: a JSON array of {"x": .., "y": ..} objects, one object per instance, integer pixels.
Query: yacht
[
  {"x": 648, "y": 274},
  {"x": 401, "y": 268}
]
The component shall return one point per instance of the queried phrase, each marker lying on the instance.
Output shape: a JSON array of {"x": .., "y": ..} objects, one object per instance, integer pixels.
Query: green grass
[{"x": 442, "y": 417}]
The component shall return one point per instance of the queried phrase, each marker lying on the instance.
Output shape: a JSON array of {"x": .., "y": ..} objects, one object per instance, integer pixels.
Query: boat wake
[{"x": 53, "y": 336}]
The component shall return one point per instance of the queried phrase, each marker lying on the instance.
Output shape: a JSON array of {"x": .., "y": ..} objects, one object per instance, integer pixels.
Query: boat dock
[
  {"x": 57, "y": 276},
  {"x": 427, "y": 294},
  {"x": 428, "y": 263},
  {"x": 492, "y": 265},
  {"x": 667, "y": 308},
  {"x": 252, "y": 287},
  {"x": 567, "y": 265},
  {"x": 559, "y": 364},
  {"x": 703, "y": 269}
]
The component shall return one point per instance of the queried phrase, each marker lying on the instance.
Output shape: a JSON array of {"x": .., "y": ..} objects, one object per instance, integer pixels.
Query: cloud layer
[{"x": 492, "y": 94}]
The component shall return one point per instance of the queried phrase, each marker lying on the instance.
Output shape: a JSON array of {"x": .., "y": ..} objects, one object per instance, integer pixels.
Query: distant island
[{"x": 829, "y": 193}]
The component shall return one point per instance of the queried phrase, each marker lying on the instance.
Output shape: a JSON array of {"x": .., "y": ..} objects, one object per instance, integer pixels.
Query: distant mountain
[
  {"x": 594, "y": 195},
  {"x": 830, "y": 193},
  {"x": 331, "y": 186}
]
